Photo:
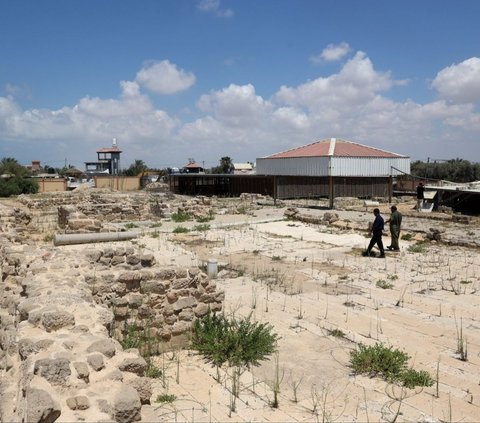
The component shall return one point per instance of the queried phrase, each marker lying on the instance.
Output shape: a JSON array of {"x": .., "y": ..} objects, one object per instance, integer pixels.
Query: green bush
[
  {"x": 166, "y": 398},
  {"x": 181, "y": 216},
  {"x": 17, "y": 185},
  {"x": 181, "y": 230},
  {"x": 202, "y": 228},
  {"x": 381, "y": 283},
  {"x": 391, "y": 364},
  {"x": 419, "y": 247},
  {"x": 236, "y": 342}
]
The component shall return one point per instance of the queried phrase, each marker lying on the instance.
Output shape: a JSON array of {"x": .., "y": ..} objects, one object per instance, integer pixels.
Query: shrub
[
  {"x": 201, "y": 228},
  {"x": 384, "y": 284},
  {"x": 181, "y": 216},
  {"x": 419, "y": 247},
  {"x": 166, "y": 398},
  {"x": 391, "y": 364},
  {"x": 180, "y": 230},
  {"x": 337, "y": 333},
  {"x": 406, "y": 237}
]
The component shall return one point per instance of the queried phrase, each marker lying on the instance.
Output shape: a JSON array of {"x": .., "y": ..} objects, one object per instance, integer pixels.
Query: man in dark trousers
[
  {"x": 420, "y": 196},
  {"x": 377, "y": 230},
  {"x": 395, "y": 222}
]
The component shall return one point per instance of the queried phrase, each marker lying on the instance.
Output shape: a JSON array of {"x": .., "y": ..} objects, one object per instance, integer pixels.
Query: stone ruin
[{"x": 65, "y": 314}]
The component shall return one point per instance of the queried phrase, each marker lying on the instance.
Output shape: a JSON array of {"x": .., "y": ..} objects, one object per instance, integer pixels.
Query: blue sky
[{"x": 180, "y": 79}]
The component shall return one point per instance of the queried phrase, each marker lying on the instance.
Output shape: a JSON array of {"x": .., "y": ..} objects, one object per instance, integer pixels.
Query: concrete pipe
[{"x": 69, "y": 239}]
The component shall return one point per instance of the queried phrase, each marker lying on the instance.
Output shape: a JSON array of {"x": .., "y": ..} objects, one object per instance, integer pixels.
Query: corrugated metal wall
[
  {"x": 300, "y": 166},
  {"x": 340, "y": 166},
  {"x": 369, "y": 166}
]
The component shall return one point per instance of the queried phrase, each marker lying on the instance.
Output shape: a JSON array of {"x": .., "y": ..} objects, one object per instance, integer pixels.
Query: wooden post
[
  {"x": 390, "y": 189},
  {"x": 275, "y": 193},
  {"x": 330, "y": 191}
]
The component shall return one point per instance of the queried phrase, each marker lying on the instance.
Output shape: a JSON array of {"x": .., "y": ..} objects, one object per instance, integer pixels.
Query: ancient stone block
[
  {"x": 41, "y": 407},
  {"x": 79, "y": 402},
  {"x": 55, "y": 320},
  {"x": 136, "y": 365},
  {"x": 116, "y": 260},
  {"x": 152, "y": 286},
  {"x": 82, "y": 370},
  {"x": 147, "y": 260},
  {"x": 55, "y": 370},
  {"x": 143, "y": 385},
  {"x": 96, "y": 361},
  {"x": 126, "y": 405},
  {"x": 105, "y": 346},
  {"x": 182, "y": 303}
]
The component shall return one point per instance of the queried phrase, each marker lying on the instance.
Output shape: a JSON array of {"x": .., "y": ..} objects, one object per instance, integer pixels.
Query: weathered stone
[
  {"x": 143, "y": 385},
  {"x": 153, "y": 286},
  {"x": 114, "y": 375},
  {"x": 104, "y": 346},
  {"x": 170, "y": 320},
  {"x": 116, "y": 260},
  {"x": 201, "y": 310},
  {"x": 41, "y": 408},
  {"x": 181, "y": 283},
  {"x": 55, "y": 370},
  {"x": 181, "y": 273},
  {"x": 135, "y": 300},
  {"x": 193, "y": 271},
  {"x": 168, "y": 310},
  {"x": 147, "y": 260},
  {"x": 165, "y": 274},
  {"x": 136, "y": 365},
  {"x": 55, "y": 320},
  {"x": 126, "y": 405},
  {"x": 94, "y": 255},
  {"x": 82, "y": 370},
  {"x": 96, "y": 361},
  {"x": 180, "y": 328},
  {"x": 79, "y": 402},
  {"x": 186, "y": 315},
  {"x": 172, "y": 296},
  {"x": 26, "y": 347},
  {"x": 133, "y": 259}
]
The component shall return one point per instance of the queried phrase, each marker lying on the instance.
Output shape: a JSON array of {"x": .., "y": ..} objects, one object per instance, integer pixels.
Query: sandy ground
[{"x": 306, "y": 280}]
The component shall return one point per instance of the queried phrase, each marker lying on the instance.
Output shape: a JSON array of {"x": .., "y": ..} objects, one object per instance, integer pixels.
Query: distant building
[
  {"x": 108, "y": 161},
  {"x": 334, "y": 157},
  {"x": 192, "y": 167},
  {"x": 243, "y": 168},
  {"x": 34, "y": 167}
]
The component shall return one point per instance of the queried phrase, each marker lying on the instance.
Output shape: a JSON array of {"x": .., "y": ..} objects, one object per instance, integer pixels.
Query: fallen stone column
[{"x": 69, "y": 239}]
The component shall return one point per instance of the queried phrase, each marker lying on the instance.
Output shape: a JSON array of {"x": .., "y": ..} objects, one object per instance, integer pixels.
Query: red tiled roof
[
  {"x": 341, "y": 148},
  {"x": 192, "y": 166}
]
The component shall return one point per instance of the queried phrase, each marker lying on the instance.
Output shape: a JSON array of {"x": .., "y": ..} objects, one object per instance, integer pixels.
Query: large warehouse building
[{"x": 334, "y": 168}]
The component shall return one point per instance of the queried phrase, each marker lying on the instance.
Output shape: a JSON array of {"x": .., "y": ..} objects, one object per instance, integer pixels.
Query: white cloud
[
  {"x": 332, "y": 53},
  {"x": 165, "y": 78},
  {"x": 356, "y": 83},
  {"x": 213, "y": 6},
  {"x": 236, "y": 120},
  {"x": 460, "y": 83}
]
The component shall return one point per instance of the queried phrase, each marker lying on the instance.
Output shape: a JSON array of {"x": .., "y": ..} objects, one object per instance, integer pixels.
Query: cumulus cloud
[
  {"x": 165, "y": 78},
  {"x": 238, "y": 121},
  {"x": 332, "y": 53},
  {"x": 356, "y": 83},
  {"x": 460, "y": 83},
  {"x": 213, "y": 6}
]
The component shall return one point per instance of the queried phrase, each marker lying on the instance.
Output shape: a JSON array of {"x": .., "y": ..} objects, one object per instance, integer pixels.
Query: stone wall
[{"x": 63, "y": 316}]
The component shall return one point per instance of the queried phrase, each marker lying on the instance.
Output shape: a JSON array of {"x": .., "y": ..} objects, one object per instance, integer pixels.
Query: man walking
[
  {"x": 395, "y": 222},
  {"x": 377, "y": 229}
]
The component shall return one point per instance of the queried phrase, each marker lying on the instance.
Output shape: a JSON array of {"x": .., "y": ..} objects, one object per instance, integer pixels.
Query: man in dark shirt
[
  {"x": 420, "y": 196},
  {"x": 377, "y": 230},
  {"x": 395, "y": 222}
]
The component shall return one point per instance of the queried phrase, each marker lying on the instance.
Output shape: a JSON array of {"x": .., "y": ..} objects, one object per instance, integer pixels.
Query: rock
[
  {"x": 127, "y": 405},
  {"x": 134, "y": 365},
  {"x": 143, "y": 385},
  {"x": 41, "y": 408},
  {"x": 147, "y": 260},
  {"x": 79, "y": 402},
  {"x": 96, "y": 361},
  {"x": 201, "y": 309},
  {"x": 184, "y": 302},
  {"x": 54, "y": 320},
  {"x": 116, "y": 260},
  {"x": 104, "y": 346},
  {"x": 82, "y": 370},
  {"x": 133, "y": 259},
  {"x": 55, "y": 370},
  {"x": 26, "y": 347}
]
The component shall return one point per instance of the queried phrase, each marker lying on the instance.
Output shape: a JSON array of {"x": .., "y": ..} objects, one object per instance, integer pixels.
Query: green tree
[
  {"x": 136, "y": 168},
  {"x": 14, "y": 179},
  {"x": 226, "y": 166}
]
